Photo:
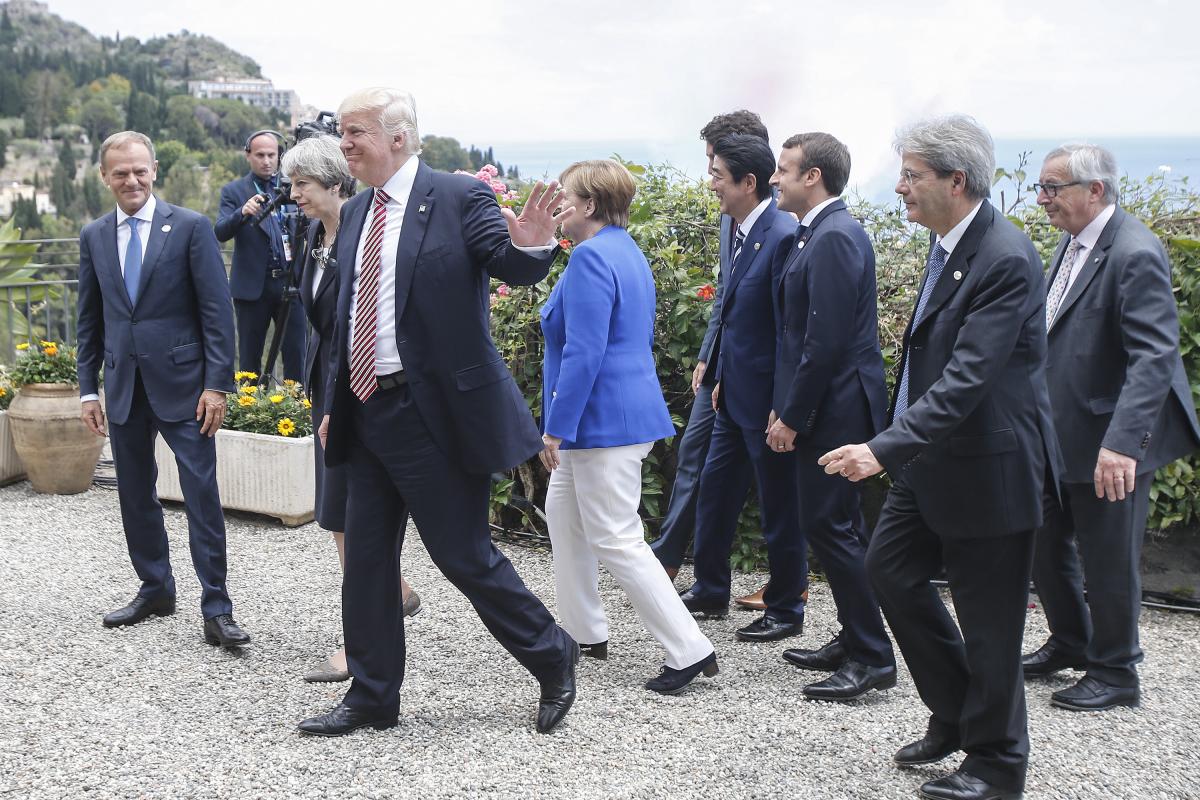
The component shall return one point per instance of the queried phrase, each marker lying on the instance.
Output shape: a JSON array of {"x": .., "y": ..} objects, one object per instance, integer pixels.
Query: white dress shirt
[
  {"x": 951, "y": 239},
  {"x": 1087, "y": 239},
  {"x": 745, "y": 225},
  {"x": 398, "y": 188},
  {"x": 815, "y": 210}
]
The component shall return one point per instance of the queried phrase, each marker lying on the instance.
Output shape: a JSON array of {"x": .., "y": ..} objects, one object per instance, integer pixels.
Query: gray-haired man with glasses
[{"x": 1122, "y": 408}]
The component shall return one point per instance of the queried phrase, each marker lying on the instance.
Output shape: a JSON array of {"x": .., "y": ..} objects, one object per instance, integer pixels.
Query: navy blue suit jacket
[
  {"x": 600, "y": 388},
  {"x": 179, "y": 336},
  {"x": 452, "y": 241},
  {"x": 254, "y": 256},
  {"x": 746, "y": 362},
  {"x": 829, "y": 382}
]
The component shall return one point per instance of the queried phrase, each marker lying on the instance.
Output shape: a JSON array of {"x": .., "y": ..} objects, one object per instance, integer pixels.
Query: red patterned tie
[{"x": 366, "y": 316}]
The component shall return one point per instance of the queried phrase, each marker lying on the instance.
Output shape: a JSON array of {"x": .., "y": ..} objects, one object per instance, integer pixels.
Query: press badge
[{"x": 287, "y": 247}]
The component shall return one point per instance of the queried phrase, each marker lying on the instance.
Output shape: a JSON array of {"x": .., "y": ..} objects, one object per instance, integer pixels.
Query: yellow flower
[
  {"x": 48, "y": 344},
  {"x": 244, "y": 401},
  {"x": 50, "y": 349},
  {"x": 3, "y": 391},
  {"x": 286, "y": 427},
  {"x": 289, "y": 382},
  {"x": 249, "y": 389},
  {"x": 307, "y": 403},
  {"x": 276, "y": 398},
  {"x": 245, "y": 376},
  {"x": 23, "y": 346}
]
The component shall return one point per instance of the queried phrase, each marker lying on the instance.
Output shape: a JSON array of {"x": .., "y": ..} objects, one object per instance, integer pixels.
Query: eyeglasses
[
  {"x": 910, "y": 177},
  {"x": 1052, "y": 189}
]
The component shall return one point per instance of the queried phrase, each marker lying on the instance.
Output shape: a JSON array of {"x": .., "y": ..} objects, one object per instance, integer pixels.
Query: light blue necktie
[
  {"x": 133, "y": 261},
  {"x": 933, "y": 271}
]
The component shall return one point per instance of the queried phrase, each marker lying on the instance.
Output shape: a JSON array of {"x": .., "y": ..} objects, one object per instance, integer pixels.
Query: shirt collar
[
  {"x": 748, "y": 223},
  {"x": 399, "y": 186},
  {"x": 1091, "y": 234},
  {"x": 817, "y": 209},
  {"x": 951, "y": 239},
  {"x": 145, "y": 213}
]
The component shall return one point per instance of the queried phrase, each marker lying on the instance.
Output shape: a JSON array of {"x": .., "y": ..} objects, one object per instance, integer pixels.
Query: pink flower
[
  {"x": 489, "y": 170},
  {"x": 502, "y": 290}
]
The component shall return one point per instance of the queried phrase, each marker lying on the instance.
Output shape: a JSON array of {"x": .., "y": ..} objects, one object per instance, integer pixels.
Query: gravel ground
[{"x": 151, "y": 711}]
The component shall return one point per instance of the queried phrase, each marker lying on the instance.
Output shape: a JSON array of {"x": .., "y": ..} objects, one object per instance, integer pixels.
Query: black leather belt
[{"x": 392, "y": 381}]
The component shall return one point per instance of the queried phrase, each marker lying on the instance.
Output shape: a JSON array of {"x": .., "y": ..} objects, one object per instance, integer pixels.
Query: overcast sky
[{"x": 657, "y": 70}]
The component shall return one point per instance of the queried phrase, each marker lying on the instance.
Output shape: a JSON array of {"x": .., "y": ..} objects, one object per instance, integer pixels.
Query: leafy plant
[
  {"x": 44, "y": 362},
  {"x": 281, "y": 411},
  {"x": 7, "y": 390}
]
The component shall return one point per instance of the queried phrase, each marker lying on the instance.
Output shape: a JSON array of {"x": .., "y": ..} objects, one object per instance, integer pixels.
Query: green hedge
[{"x": 675, "y": 220}]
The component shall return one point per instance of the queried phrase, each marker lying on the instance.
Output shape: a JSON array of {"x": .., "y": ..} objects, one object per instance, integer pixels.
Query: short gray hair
[
  {"x": 950, "y": 143},
  {"x": 319, "y": 158},
  {"x": 123, "y": 138},
  {"x": 1090, "y": 162},
  {"x": 397, "y": 112}
]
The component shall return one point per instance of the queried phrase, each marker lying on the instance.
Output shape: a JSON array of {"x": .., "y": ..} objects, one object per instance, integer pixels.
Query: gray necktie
[{"x": 1058, "y": 289}]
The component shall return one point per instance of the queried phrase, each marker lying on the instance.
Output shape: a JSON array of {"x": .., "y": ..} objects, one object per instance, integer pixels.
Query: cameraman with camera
[{"x": 256, "y": 213}]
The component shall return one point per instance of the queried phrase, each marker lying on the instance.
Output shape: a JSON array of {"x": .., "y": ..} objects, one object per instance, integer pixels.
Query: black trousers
[
  {"x": 831, "y": 508},
  {"x": 969, "y": 675},
  {"x": 254, "y": 318},
  {"x": 397, "y": 470},
  {"x": 141, "y": 513},
  {"x": 1108, "y": 536}
]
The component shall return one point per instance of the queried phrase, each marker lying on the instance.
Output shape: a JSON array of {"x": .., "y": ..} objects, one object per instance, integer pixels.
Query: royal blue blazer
[{"x": 600, "y": 388}]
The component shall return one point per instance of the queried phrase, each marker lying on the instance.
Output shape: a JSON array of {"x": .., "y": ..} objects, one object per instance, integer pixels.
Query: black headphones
[{"x": 267, "y": 131}]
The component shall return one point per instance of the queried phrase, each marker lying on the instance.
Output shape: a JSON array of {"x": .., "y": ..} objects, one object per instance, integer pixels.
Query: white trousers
[{"x": 592, "y": 512}]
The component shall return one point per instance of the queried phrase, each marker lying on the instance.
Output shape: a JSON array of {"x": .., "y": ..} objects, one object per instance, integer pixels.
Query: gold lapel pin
[
  {"x": 166, "y": 228},
  {"x": 957, "y": 275}
]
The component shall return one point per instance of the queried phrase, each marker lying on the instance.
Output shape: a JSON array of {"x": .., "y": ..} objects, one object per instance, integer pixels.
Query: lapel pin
[
  {"x": 166, "y": 228},
  {"x": 421, "y": 210},
  {"x": 800, "y": 246},
  {"x": 957, "y": 275},
  {"x": 1097, "y": 259},
  {"x": 757, "y": 245}
]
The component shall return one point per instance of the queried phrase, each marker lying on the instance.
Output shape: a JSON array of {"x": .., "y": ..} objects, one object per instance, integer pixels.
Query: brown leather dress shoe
[{"x": 753, "y": 601}]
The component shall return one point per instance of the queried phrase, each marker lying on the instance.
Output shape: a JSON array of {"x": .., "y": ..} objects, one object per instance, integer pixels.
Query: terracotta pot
[{"x": 57, "y": 450}]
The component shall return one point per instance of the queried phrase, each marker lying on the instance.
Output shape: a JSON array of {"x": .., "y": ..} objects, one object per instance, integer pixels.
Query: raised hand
[{"x": 538, "y": 223}]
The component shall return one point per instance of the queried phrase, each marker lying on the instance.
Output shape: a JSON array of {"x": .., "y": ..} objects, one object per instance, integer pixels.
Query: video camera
[{"x": 323, "y": 125}]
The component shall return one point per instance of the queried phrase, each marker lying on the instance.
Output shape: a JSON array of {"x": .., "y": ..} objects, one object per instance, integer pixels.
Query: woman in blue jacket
[{"x": 602, "y": 411}]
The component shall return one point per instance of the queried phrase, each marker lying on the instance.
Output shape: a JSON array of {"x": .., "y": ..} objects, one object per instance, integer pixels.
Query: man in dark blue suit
[
  {"x": 830, "y": 389},
  {"x": 422, "y": 407},
  {"x": 741, "y": 173},
  {"x": 263, "y": 258},
  {"x": 679, "y": 524},
  {"x": 154, "y": 310}
]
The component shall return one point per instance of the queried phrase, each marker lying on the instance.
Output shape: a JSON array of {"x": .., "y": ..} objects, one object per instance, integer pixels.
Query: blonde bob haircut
[{"x": 606, "y": 183}]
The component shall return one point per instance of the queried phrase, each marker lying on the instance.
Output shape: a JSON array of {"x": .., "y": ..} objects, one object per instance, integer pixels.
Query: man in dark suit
[
  {"x": 741, "y": 174},
  {"x": 969, "y": 447},
  {"x": 830, "y": 389},
  {"x": 422, "y": 407},
  {"x": 679, "y": 524},
  {"x": 263, "y": 258},
  {"x": 1122, "y": 408},
  {"x": 154, "y": 310}
]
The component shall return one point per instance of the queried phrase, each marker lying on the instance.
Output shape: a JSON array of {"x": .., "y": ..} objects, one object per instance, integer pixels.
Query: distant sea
[{"x": 1138, "y": 157}]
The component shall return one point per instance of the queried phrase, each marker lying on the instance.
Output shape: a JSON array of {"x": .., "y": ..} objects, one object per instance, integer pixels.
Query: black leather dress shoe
[
  {"x": 140, "y": 608},
  {"x": 598, "y": 651},
  {"x": 1048, "y": 659},
  {"x": 851, "y": 681},
  {"x": 673, "y": 681},
  {"x": 708, "y": 609},
  {"x": 926, "y": 750},
  {"x": 824, "y": 659},
  {"x": 768, "y": 629},
  {"x": 222, "y": 630},
  {"x": 961, "y": 785},
  {"x": 343, "y": 720},
  {"x": 558, "y": 695},
  {"x": 1093, "y": 694}
]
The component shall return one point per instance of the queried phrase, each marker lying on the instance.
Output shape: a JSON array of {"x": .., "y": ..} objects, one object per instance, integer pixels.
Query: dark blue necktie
[
  {"x": 738, "y": 241},
  {"x": 933, "y": 270},
  {"x": 133, "y": 260}
]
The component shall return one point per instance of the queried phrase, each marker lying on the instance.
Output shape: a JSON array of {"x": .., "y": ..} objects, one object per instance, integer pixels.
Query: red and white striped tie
[{"x": 366, "y": 315}]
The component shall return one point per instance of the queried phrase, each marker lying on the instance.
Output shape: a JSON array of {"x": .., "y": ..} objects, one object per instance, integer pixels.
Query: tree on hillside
[
  {"x": 3, "y": 148},
  {"x": 48, "y": 96},
  {"x": 100, "y": 118},
  {"x": 66, "y": 159},
  {"x": 444, "y": 153},
  {"x": 142, "y": 114}
]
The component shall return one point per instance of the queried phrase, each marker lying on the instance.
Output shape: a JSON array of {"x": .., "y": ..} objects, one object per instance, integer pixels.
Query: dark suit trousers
[
  {"x": 971, "y": 680},
  {"x": 837, "y": 533},
  {"x": 679, "y": 525},
  {"x": 141, "y": 514},
  {"x": 734, "y": 455},
  {"x": 1108, "y": 536},
  {"x": 397, "y": 470},
  {"x": 253, "y": 319}
]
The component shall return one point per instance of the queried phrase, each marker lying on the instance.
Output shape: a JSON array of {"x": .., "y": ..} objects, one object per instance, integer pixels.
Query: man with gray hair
[
  {"x": 1122, "y": 408},
  {"x": 421, "y": 407},
  {"x": 969, "y": 446}
]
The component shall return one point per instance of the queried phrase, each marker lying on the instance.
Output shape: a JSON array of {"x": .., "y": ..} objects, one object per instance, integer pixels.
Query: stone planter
[
  {"x": 11, "y": 468},
  {"x": 59, "y": 453},
  {"x": 271, "y": 475}
]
